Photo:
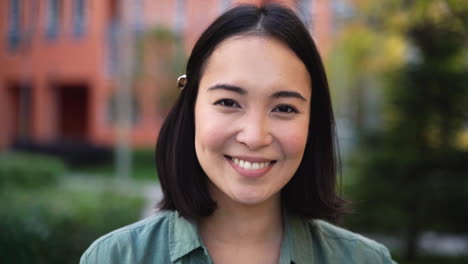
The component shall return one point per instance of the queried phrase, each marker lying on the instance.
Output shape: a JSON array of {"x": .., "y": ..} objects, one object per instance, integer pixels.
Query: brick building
[{"x": 60, "y": 62}]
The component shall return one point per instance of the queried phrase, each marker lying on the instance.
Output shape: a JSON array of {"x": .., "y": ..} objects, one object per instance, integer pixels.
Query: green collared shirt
[{"x": 169, "y": 238}]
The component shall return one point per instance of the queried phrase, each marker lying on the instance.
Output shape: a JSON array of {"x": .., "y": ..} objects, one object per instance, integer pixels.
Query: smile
[{"x": 250, "y": 167}]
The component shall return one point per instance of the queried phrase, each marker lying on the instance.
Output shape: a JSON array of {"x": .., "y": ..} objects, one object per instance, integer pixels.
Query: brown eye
[
  {"x": 227, "y": 103},
  {"x": 285, "y": 109}
]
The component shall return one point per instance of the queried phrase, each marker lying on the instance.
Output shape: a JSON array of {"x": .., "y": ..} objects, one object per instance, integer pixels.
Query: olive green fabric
[{"x": 169, "y": 238}]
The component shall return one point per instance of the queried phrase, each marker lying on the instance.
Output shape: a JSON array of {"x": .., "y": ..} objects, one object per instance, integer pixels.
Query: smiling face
[{"x": 251, "y": 118}]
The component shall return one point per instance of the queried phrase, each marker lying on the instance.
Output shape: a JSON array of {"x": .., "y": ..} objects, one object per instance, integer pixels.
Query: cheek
[
  {"x": 209, "y": 138},
  {"x": 210, "y": 131},
  {"x": 293, "y": 141}
]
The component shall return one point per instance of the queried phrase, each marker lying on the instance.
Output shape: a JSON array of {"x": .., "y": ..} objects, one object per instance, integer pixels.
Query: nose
[{"x": 255, "y": 132}]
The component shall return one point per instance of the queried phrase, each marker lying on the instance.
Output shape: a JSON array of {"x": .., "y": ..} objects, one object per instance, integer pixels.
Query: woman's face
[{"x": 251, "y": 118}]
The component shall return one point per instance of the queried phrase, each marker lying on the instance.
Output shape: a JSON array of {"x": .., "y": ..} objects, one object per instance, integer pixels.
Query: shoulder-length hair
[{"x": 311, "y": 193}]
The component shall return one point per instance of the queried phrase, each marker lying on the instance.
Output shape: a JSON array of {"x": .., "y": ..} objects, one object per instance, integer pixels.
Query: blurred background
[{"x": 86, "y": 84}]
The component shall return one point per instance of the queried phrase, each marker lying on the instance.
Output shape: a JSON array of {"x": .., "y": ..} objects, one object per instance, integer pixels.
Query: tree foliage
[{"x": 411, "y": 173}]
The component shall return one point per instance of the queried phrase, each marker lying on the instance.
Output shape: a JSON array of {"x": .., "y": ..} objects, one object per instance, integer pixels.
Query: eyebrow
[
  {"x": 289, "y": 94},
  {"x": 228, "y": 87},
  {"x": 239, "y": 90}
]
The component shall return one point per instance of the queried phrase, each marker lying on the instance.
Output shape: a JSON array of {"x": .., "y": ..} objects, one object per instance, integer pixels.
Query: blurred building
[{"x": 63, "y": 61}]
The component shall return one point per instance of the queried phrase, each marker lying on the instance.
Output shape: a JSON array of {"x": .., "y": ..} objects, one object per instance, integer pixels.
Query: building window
[
  {"x": 343, "y": 11},
  {"x": 79, "y": 17},
  {"x": 224, "y": 5},
  {"x": 112, "y": 38},
  {"x": 14, "y": 25},
  {"x": 53, "y": 19},
  {"x": 304, "y": 7},
  {"x": 138, "y": 11},
  {"x": 112, "y": 41},
  {"x": 179, "y": 16},
  {"x": 21, "y": 95}
]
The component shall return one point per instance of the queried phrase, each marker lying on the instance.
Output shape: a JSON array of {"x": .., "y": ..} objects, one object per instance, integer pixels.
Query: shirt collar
[
  {"x": 183, "y": 237},
  {"x": 298, "y": 239},
  {"x": 296, "y": 246}
]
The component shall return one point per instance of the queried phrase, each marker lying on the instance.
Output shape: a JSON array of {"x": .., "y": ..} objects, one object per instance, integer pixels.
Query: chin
[{"x": 250, "y": 198}]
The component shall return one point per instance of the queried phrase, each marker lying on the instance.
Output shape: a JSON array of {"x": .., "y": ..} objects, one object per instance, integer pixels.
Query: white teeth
[{"x": 250, "y": 165}]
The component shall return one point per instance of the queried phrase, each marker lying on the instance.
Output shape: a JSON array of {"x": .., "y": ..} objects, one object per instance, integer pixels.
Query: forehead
[{"x": 255, "y": 61}]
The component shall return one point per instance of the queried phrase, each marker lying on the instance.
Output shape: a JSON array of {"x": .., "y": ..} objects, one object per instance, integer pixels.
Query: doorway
[{"x": 72, "y": 112}]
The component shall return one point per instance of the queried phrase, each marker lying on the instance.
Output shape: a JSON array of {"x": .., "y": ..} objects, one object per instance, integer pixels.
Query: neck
[{"x": 235, "y": 223}]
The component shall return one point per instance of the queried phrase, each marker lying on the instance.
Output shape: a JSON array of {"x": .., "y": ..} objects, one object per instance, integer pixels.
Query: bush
[
  {"x": 29, "y": 170},
  {"x": 143, "y": 166},
  {"x": 57, "y": 225}
]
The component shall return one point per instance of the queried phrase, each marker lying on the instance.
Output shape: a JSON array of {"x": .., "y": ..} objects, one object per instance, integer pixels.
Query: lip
[{"x": 250, "y": 173}]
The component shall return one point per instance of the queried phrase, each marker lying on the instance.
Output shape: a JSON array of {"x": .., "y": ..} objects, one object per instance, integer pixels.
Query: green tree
[{"x": 411, "y": 173}]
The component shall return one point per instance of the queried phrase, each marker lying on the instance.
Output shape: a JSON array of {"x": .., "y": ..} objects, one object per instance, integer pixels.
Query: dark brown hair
[{"x": 311, "y": 193}]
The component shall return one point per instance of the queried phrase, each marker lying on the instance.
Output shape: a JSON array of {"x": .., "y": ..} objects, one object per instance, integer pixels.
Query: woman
[{"x": 246, "y": 157}]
